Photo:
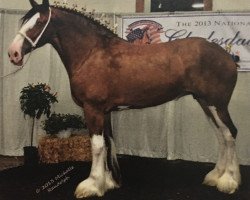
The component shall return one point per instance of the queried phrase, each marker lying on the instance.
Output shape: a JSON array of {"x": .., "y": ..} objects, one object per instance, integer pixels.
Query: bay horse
[{"x": 107, "y": 72}]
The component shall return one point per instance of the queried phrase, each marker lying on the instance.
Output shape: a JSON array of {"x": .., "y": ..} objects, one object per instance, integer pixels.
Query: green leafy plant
[
  {"x": 58, "y": 122},
  {"x": 36, "y": 100}
]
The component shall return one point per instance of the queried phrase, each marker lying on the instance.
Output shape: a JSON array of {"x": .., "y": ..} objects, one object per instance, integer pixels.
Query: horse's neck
[
  {"x": 74, "y": 42},
  {"x": 72, "y": 49}
]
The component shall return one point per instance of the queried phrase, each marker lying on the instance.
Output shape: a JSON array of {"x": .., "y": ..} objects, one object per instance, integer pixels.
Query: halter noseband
[{"x": 33, "y": 44}]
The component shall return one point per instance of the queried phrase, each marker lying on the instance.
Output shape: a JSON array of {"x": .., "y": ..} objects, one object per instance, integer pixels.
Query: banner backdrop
[{"x": 230, "y": 30}]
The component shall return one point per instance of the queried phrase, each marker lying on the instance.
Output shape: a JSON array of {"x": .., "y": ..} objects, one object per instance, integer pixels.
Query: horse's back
[
  {"x": 145, "y": 75},
  {"x": 184, "y": 56}
]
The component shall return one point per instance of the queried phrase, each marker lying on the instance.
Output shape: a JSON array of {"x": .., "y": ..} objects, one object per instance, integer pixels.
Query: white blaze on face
[{"x": 15, "y": 48}]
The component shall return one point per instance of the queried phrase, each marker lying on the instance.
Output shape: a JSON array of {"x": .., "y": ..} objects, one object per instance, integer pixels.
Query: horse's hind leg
[
  {"x": 212, "y": 177},
  {"x": 231, "y": 178},
  {"x": 226, "y": 174}
]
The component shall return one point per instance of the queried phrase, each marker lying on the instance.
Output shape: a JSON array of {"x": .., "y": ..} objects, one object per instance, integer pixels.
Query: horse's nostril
[
  {"x": 9, "y": 55},
  {"x": 16, "y": 54}
]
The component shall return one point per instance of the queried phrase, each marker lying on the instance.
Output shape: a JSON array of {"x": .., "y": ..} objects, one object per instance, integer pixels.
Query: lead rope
[{"x": 12, "y": 73}]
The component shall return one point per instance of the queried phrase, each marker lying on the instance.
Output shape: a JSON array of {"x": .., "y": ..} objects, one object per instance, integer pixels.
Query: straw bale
[{"x": 75, "y": 148}]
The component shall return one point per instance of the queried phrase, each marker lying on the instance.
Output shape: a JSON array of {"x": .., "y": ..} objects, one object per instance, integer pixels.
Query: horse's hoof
[
  {"x": 227, "y": 184},
  {"x": 88, "y": 188},
  {"x": 212, "y": 178}
]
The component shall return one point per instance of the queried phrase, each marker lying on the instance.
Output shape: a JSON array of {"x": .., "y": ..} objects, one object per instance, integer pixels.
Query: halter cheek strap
[{"x": 33, "y": 44}]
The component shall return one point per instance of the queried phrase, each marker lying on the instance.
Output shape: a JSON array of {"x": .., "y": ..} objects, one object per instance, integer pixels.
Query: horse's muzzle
[{"x": 15, "y": 57}]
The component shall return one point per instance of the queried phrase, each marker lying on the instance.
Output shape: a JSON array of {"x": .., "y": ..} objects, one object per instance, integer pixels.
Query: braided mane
[{"x": 92, "y": 16}]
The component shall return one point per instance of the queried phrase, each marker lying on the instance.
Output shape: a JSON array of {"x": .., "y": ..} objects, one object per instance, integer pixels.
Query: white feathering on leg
[{"x": 226, "y": 175}]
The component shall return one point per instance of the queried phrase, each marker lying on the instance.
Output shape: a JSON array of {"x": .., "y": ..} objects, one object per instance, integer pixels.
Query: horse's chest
[{"x": 89, "y": 88}]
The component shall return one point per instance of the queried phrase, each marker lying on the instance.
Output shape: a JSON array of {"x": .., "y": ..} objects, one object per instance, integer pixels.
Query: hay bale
[{"x": 75, "y": 148}]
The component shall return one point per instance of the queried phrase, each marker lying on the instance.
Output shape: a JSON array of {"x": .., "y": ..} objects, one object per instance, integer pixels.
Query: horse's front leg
[{"x": 99, "y": 180}]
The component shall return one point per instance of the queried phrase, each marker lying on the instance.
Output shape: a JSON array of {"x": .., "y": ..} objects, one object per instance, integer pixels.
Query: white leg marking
[
  {"x": 95, "y": 184},
  {"x": 226, "y": 174},
  {"x": 231, "y": 179},
  {"x": 212, "y": 177},
  {"x": 110, "y": 183},
  {"x": 100, "y": 179}
]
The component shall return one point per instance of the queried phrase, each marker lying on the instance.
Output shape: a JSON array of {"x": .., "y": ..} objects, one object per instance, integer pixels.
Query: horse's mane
[{"x": 93, "y": 22}]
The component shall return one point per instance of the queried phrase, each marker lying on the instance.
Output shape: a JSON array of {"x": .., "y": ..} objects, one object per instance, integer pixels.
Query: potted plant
[
  {"x": 35, "y": 100},
  {"x": 62, "y": 125}
]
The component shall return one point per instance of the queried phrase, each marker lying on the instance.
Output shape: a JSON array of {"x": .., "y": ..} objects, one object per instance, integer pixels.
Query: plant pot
[{"x": 31, "y": 157}]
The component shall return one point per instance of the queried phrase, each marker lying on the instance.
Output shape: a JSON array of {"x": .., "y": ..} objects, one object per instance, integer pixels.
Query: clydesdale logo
[{"x": 144, "y": 32}]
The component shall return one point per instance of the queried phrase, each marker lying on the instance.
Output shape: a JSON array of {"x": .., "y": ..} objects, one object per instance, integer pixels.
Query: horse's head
[{"x": 35, "y": 27}]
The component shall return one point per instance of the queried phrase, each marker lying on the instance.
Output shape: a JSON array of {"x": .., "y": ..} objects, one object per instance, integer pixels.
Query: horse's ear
[
  {"x": 46, "y": 3},
  {"x": 33, "y": 3}
]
